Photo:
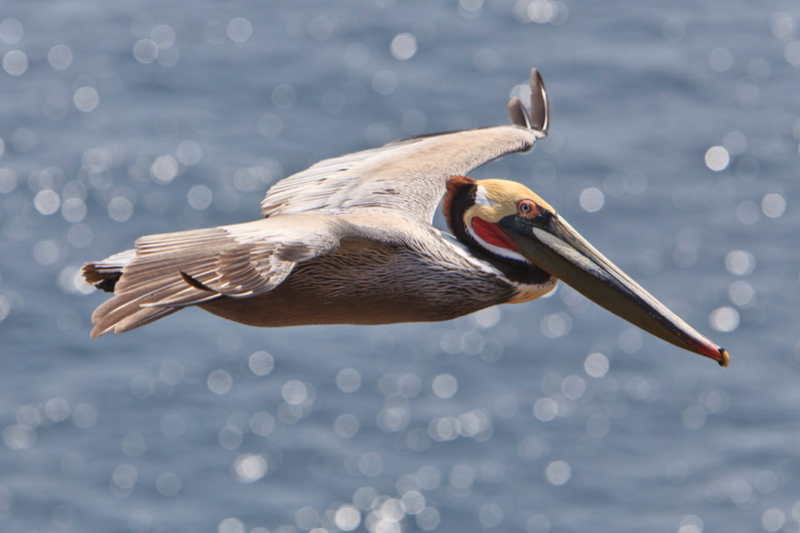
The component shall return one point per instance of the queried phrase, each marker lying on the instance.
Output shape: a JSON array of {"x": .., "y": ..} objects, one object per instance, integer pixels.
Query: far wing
[{"x": 408, "y": 175}]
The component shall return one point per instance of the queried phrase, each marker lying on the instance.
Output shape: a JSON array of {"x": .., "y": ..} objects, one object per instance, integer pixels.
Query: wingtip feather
[
  {"x": 518, "y": 114},
  {"x": 540, "y": 103},
  {"x": 538, "y": 118}
]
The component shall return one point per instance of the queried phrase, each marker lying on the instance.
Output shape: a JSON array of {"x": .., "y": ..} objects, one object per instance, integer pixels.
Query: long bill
[{"x": 554, "y": 246}]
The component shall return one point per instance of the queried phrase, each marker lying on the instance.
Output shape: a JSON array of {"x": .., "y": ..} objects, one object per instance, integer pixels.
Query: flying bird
[{"x": 351, "y": 241}]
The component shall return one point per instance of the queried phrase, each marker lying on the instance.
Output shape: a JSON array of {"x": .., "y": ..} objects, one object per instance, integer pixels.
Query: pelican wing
[
  {"x": 408, "y": 175},
  {"x": 167, "y": 272}
]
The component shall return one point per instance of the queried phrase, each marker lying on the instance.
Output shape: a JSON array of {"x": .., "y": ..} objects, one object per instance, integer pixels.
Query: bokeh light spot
[
  {"x": 189, "y": 153},
  {"x": 735, "y": 142},
  {"x": 428, "y": 519},
  {"x": 596, "y": 365},
  {"x": 239, "y": 30},
  {"x": 573, "y": 387},
  {"x": 249, "y": 468},
  {"x": 724, "y": 319},
  {"x": 773, "y": 205},
  {"x": 630, "y": 340},
  {"x": 545, "y": 409},
  {"x": 384, "y": 82},
  {"x": 740, "y": 263},
  {"x": 231, "y": 525},
  {"x": 164, "y": 169},
  {"x": 720, "y": 60},
  {"x": 558, "y": 472},
  {"x": 60, "y": 57},
  {"x": 200, "y": 197},
  {"x": 219, "y": 381},
  {"x": 47, "y": 202},
  {"x": 262, "y": 424},
  {"x": 347, "y": 518},
  {"x": 86, "y": 99},
  {"x": 284, "y": 96},
  {"x": 346, "y": 426},
  {"x": 792, "y": 53},
  {"x": 230, "y": 437},
  {"x": 261, "y": 363},
  {"x": 445, "y": 386},
  {"x": 348, "y": 380},
  {"x": 11, "y": 31},
  {"x": 294, "y": 392},
  {"x": 120, "y": 209},
  {"x": 742, "y": 294},
  {"x": 592, "y": 199},
  {"x": 145, "y": 51},
  {"x": 537, "y": 523},
  {"x": 773, "y": 519},
  {"x": 404, "y": 46},
  {"x": 556, "y": 325},
  {"x": 168, "y": 484},
  {"x": 491, "y": 515},
  {"x": 15, "y": 62},
  {"x": 717, "y": 158},
  {"x": 781, "y": 25}
]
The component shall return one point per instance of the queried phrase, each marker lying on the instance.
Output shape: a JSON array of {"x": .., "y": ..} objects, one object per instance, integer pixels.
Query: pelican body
[{"x": 350, "y": 241}]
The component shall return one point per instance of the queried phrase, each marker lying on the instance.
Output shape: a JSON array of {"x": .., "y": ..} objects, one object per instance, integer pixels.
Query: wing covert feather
[
  {"x": 408, "y": 175},
  {"x": 172, "y": 270}
]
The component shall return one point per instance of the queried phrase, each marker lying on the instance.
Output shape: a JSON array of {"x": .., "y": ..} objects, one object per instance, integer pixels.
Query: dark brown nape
[{"x": 460, "y": 190}]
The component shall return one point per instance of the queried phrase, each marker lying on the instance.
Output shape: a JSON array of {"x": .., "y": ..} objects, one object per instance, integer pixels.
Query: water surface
[{"x": 674, "y": 149}]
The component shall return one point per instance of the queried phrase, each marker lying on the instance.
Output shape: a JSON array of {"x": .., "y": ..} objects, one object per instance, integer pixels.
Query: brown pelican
[{"x": 350, "y": 241}]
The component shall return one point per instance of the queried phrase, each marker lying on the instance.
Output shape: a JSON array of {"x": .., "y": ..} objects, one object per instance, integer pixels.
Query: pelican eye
[{"x": 525, "y": 207}]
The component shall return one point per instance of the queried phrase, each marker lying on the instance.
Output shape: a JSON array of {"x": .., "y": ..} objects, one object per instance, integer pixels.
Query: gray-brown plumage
[
  {"x": 347, "y": 241},
  {"x": 350, "y": 241}
]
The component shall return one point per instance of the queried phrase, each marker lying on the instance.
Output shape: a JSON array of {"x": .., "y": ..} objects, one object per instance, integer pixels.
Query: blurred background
[{"x": 673, "y": 149}]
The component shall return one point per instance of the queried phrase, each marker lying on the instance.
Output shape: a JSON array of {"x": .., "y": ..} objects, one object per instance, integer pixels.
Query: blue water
[{"x": 507, "y": 420}]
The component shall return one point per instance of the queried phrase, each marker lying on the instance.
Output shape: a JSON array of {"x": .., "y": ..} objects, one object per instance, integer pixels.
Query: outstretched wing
[{"x": 408, "y": 175}]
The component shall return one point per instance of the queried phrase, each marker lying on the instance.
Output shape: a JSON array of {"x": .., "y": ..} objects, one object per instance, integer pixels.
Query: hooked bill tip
[{"x": 724, "y": 358}]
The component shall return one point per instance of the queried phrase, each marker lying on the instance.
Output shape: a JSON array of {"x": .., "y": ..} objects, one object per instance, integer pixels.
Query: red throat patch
[{"x": 490, "y": 233}]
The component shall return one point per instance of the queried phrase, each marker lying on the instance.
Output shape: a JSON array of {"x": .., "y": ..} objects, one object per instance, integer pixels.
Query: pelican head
[{"x": 510, "y": 224}]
